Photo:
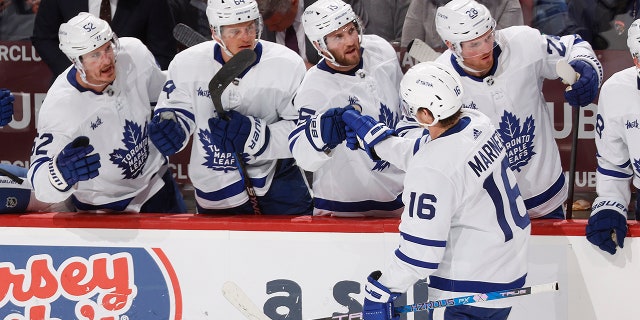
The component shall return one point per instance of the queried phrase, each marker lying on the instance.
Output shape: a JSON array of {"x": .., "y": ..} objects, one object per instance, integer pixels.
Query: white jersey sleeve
[
  {"x": 115, "y": 122},
  {"x": 464, "y": 223},
  {"x": 617, "y": 127}
]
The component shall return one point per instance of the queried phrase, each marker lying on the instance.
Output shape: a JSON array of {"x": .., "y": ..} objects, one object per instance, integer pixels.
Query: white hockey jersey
[
  {"x": 464, "y": 222},
  {"x": 348, "y": 182},
  {"x": 115, "y": 122},
  {"x": 511, "y": 95},
  {"x": 617, "y": 135},
  {"x": 264, "y": 91}
]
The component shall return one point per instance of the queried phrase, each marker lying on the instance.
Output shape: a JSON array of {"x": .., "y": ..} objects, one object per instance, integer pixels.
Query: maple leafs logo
[
  {"x": 134, "y": 156},
  {"x": 215, "y": 158},
  {"x": 389, "y": 118},
  {"x": 518, "y": 140}
]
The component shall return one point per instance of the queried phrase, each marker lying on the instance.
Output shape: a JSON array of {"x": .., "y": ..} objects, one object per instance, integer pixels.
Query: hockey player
[
  {"x": 618, "y": 152},
  {"x": 355, "y": 69},
  {"x": 6, "y": 107},
  {"x": 17, "y": 196},
  {"x": 258, "y": 104},
  {"x": 502, "y": 72},
  {"x": 92, "y": 141},
  {"x": 464, "y": 223}
]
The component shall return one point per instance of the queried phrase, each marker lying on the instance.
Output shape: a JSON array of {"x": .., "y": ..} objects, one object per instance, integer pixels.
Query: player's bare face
[
  {"x": 344, "y": 45},
  {"x": 100, "y": 65},
  {"x": 478, "y": 53},
  {"x": 240, "y": 36}
]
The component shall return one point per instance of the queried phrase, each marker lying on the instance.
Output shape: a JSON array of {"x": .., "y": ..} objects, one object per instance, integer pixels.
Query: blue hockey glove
[
  {"x": 240, "y": 133},
  {"x": 166, "y": 134},
  {"x": 365, "y": 128},
  {"x": 602, "y": 226},
  {"x": 378, "y": 300},
  {"x": 73, "y": 164},
  {"x": 585, "y": 89},
  {"x": 326, "y": 131},
  {"x": 6, "y": 106}
]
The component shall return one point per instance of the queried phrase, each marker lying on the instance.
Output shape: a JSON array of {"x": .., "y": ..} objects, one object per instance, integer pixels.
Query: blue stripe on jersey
[
  {"x": 293, "y": 134},
  {"x": 613, "y": 173},
  {"x": 114, "y": 206},
  {"x": 414, "y": 262},
  {"x": 36, "y": 164},
  {"x": 416, "y": 145},
  {"x": 547, "y": 194},
  {"x": 424, "y": 242},
  {"x": 230, "y": 190},
  {"x": 358, "y": 206},
  {"x": 474, "y": 286}
]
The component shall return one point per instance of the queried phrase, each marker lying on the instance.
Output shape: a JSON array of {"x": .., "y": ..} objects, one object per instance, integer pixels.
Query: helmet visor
[{"x": 479, "y": 46}]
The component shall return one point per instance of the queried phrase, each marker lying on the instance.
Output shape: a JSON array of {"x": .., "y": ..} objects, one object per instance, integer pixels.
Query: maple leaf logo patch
[
  {"x": 518, "y": 139},
  {"x": 215, "y": 158},
  {"x": 134, "y": 156},
  {"x": 389, "y": 118}
]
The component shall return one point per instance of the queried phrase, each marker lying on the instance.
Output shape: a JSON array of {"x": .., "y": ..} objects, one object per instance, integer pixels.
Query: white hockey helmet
[
  {"x": 463, "y": 20},
  {"x": 227, "y": 12},
  {"x": 325, "y": 16},
  {"x": 633, "y": 39},
  {"x": 433, "y": 86},
  {"x": 83, "y": 34}
]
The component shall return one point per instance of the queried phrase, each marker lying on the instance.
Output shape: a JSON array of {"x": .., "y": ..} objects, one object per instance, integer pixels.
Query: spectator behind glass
[
  {"x": 16, "y": 19},
  {"x": 386, "y": 18},
  {"x": 148, "y": 20},
  {"x": 421, "y": 16},
  {"x": 278, "y": 15}
]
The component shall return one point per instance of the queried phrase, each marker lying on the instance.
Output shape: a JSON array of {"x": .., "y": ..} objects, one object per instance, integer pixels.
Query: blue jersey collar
[
  {"x": 322, "y": 65},
  {"x": 217, "y": 55},
  {"x": 496, "y": 53}
]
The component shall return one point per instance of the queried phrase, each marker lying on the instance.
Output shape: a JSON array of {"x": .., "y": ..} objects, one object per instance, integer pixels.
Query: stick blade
[
  {"x": 421, "y": 51},
  {"x": 241, "y": 301},
  {"x": 566, "y": 72},
  {"x": 231, "y": 70},
  {"x": 186, "y": 36}
]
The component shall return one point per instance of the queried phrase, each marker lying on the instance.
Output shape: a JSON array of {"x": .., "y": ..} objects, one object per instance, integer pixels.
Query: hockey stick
[
  {"x": 186, "y": 36},
  {"x": 220, "y": 81},
  {"x": 421, "y": 51},
  {"x": 569, "y": 77},
  {"x": 241, "y": 301},
  {"x": 430, "y": 305}
]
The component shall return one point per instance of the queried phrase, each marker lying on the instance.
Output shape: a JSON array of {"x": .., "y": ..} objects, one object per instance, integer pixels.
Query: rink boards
[{"x": 77, "y": 266}]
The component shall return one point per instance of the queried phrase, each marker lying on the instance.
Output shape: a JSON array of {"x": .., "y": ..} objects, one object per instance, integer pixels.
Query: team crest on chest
[
  {"x": 216, "y": 159},
  {"x": 132, "y": 158},
  {"x": 518, "y": 139}
]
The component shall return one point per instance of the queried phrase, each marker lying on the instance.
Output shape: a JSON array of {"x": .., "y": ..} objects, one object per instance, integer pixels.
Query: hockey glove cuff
[
  {"x": 6, "y": 107},
  {"x": 583, "y": 91},
  {"x": 368, "y": 130},
  {"x": 74, "y": 164},
  {"x": 326, "y": 131},
  {"x": 378, "y": 301},
  {"x": 166, "y": 134},
  {"x": 242, "y": 134},
  {"x": 607, "y": 226}
]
